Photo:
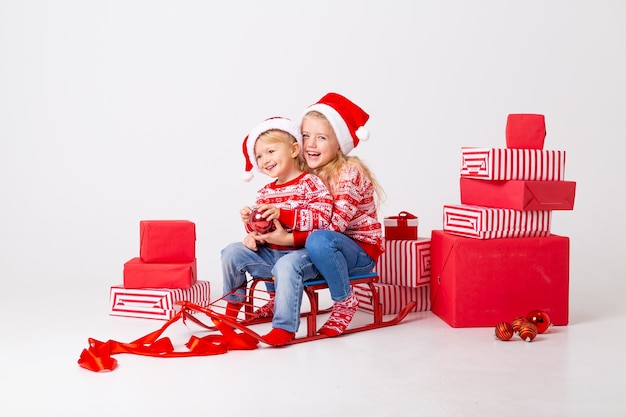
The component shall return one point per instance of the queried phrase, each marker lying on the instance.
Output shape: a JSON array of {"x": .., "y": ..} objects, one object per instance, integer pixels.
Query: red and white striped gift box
[
  {"x": 393, "y": 297},
  {"x": 489, "y": 223},
  {"x": 156, "y": 303},
  {"x": 405, "y": 262},
  {"x": 512, "y": 164}
]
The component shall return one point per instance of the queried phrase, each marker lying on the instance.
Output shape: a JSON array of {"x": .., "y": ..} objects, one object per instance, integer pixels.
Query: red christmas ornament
[
  {"x": 260, "y": 224},
  {"x": 518, "y": 322},
  {"x": 528, "y": 331},
  {"x": 504, "y": 331},
  {"x": 540, "y": 319}
]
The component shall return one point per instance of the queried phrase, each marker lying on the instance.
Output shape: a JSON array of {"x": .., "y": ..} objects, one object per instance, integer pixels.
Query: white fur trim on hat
[
  {"x": 273, "y": 123},
  {"x": 346, "y": 143}
]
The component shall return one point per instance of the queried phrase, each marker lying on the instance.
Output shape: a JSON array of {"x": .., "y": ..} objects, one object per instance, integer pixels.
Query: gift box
[
  {"x": 525, "y": 131},
  {"x": 139, "y": 274},
  {"x": 519, "y": 195},
  {"x": 512, "y": 164},
  {"x": 404, "y": 226},
  {"x": 167, "y": 241},
  {"x": 156, "y": 303},
  {"x": 393, "y": 297},
  {"x": 480, "y": 222},
  {"x": 405, "y": 262},
  {"x": 478, "y": 283}
]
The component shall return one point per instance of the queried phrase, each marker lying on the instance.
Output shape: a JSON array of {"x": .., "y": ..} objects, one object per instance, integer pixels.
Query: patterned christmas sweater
[
  {"x": 305, "y": 205},
  {"x": 354, "y": 210}
]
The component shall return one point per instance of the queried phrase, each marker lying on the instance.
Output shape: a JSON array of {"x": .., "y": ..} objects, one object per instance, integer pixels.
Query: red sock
[
  {"x": 232, "y": 309},
  {"x": 278, "y": 337},
  {"x": 340, "y": 316}
]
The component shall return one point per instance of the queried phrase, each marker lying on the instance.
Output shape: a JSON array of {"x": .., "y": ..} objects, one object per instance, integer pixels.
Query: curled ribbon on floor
[{"x": 98, "y": 356}]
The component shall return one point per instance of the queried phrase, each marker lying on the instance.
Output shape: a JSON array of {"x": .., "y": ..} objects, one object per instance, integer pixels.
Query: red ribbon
[{"x": 97, "y": 357}]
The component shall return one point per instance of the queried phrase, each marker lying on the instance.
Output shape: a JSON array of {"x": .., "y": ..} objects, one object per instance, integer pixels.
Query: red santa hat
[
  {"x": 346, "y": 118},
  {"x": 273, "y": 123}
]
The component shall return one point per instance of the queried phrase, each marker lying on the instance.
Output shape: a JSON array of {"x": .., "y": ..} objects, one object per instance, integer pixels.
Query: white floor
[{"x": 419, "y": 367}]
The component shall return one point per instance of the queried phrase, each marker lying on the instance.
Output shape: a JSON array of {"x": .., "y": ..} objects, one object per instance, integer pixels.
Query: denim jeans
[
  {"x": 290, "y": 268},
  {"x": 337, "y": 257}
]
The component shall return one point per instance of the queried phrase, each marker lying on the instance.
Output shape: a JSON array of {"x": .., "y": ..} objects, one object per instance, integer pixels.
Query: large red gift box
[
  {"x": 167, "y": 241},
  {"x": 518, "y": 194},
  {"x": 478, "y": 283},
  {"x": 139, "y": 274},
  {"x": 156, "y": 303},
  {"x": 393, "y": 297},
  {"x": 405, "y": 262},
  {"x": 512, "y": 164},
  {"x": 480, "y": 222},
  {"x": 525, "y": 131},
  {"x": 404, "y": 226}
]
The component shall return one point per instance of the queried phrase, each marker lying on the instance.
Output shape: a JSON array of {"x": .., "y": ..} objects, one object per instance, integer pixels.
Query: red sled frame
[{"x": 255, "y": 296}]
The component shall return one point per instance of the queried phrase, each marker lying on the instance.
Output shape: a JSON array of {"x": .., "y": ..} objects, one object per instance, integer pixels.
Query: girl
[{"x": 331, "y": 128}]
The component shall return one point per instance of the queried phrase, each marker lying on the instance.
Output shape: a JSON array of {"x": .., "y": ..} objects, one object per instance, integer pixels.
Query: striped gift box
[
  {"x": 156, "y": 303},
  {"x": 512, "y": 164},
  {"x": 489, "y": 223},
  {"x": 405, "y": 262},
  {"x": 393, "y": 297}
]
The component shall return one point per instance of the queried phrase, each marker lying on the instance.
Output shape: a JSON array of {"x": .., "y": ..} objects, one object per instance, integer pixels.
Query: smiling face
[
  {"x": 319, "y": 142},
  {"x": 276, "y": 155}
]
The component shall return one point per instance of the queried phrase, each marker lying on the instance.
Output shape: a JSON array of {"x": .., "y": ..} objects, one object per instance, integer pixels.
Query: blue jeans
[
  {"x": 290, "y": 268},
  {"x": 337, "y": 257}
]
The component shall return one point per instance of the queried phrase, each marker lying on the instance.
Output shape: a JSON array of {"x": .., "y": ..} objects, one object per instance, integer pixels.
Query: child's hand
[
  {"x": 245, "y": 214},
  {"x": 268, "y": 211},
  {"x": 277, "y": 237},
  {"x": 250, "y": 242}
]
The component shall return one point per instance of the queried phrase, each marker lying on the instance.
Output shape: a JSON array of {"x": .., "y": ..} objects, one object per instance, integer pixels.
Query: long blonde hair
[{"x": 330, "y": 172}]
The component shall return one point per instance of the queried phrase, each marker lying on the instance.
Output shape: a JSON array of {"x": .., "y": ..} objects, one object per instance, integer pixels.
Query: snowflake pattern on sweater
[
  {"x": 305, "y": 205},
  {"x": 354, "y": 210}
]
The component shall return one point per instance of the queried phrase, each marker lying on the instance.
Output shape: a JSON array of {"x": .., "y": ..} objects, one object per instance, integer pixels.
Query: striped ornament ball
[
  {"x": 504, "y": 331},
  {"x": 528, "y": 331}
]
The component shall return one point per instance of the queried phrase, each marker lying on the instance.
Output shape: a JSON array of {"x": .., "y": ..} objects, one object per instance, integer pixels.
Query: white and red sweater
[
  {"x": 354, "y": 210},
  {"x": 305, "y": 205}
]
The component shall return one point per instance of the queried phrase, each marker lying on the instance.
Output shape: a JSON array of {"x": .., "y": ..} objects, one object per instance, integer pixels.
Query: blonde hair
[
  {"x": 330, "y": 172},
  {"x": 280, "y": 136}
]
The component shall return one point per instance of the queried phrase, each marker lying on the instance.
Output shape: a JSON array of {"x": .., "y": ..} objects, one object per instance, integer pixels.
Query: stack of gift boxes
[
  {"x": 164, "y": 273},
  {"x": 403, "y": 269},
  {"x": 496, "y": 258}
]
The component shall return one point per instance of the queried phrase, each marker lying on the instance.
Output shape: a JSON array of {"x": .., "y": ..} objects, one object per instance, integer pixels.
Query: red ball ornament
[
  {"x": 528, "y": 331},
  {"x": 540, "y": 319},
  {"x": 518, "y": 322},
  {"x": 260, "y": 224},
  {"x": 504, "y": 331}
]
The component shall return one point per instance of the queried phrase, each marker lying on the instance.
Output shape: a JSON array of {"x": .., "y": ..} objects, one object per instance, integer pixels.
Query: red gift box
[
  {"x": 404, "y": 226},
  {"x": 393, "y": 297},
  {"x": 525, "y": 131},
  {"x": 519, "y": 195},
  {"x": 139, "y": 274},
  {"x": 490, "y": 223},
  {"x": 512, "y": 164},
  {"x": 167, "y": 241},
  {"x": 156, "y": 303},
  {"x": 478, "y": 283},
  {"x": 405, "y": 262}
]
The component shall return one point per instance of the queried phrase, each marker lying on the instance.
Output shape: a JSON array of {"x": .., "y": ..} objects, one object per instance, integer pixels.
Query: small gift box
[
  {"x": 167, "y": 241},
  {"x": 401, "y": 227},
  {"x": 525, "y": 131},
  {"x": 393, "y": 298},
  {"x": 139, "y": 274}
]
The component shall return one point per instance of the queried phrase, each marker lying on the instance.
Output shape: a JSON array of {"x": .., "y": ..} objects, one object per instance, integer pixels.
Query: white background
[{"x": 112, "y": 112}]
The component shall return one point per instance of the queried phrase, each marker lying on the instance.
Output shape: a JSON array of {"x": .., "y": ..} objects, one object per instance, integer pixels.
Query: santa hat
[
  {"x": 346, "y": 118},
  {"x": 273, "y": 123}
]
